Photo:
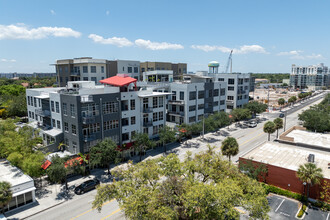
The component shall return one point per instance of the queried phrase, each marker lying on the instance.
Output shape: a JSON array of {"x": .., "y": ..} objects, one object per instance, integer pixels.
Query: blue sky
[{"x": 266, "y": 35}]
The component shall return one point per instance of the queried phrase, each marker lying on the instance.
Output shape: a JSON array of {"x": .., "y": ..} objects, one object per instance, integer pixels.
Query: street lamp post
[{"x": 284, "y": 119}]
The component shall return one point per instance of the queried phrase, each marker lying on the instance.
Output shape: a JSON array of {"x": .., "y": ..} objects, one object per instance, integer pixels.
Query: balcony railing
[
  {"x": 86, "y": 98},
  {"x": 75, "y": 73},
  {"x": 90, "y": 137},
  {"x": 229, "y": 101},
  {"x": 88, "y": 120},
  {"x": 42, "y": 113},
  {"x": 147, "y": 110},
  {"x": 147, "y": 123},
  {"x": 176, "y": 113},
  {"x": 176, "y": 102}
]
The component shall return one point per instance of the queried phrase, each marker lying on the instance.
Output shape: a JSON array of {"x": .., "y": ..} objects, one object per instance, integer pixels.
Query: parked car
[
  {"x": 252, "y": 124},
  {"x": 281, "y": 115},
  {"x": 86, "y": 186}
]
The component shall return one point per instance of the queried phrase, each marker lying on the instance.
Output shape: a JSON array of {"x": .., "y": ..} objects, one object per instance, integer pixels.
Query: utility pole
[
  {"x": 268, "y": 99},
  {"x": 284, "y": 120},
  {"x": 203, "y": 126}
]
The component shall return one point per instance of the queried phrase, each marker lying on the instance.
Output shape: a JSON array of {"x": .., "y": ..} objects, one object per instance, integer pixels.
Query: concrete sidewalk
[{"x": 53, "y": 195}]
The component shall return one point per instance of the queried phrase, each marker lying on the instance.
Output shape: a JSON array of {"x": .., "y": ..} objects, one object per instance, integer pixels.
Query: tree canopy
[
  {"x": 281, "y": 101},
  {"x": 256, "y": 107},
  {"x": 240, "y": 114},
  {"x": 200, "y": 187},
  {"x": 142, "y": 141},
  {"x": 269, "y": 127},
  {"x": 229, "y": 147},
  {"x": 310, "y": 174},
  {"x": 166, "y": 135}
]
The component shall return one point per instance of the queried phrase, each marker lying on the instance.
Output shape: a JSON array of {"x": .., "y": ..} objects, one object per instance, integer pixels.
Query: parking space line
[
  {"x": 328, "y": 216},
  {"x": 279, "y": 205}
]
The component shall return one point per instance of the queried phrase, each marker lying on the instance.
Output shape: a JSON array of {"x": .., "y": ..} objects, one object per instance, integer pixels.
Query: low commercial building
[
  {"x": 23, "y": 190},
  {"x": 283, "y": 159}
]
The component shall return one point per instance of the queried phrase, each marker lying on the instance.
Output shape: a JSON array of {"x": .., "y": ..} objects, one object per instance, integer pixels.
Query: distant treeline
[{"x": 272, "y": 77}]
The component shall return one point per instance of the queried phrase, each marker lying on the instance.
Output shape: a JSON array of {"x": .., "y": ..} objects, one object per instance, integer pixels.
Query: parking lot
[{"x": 285, "y": 208}]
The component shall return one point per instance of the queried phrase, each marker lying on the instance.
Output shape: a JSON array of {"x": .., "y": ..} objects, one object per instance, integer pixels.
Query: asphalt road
[{"x": 80, "y": 207}]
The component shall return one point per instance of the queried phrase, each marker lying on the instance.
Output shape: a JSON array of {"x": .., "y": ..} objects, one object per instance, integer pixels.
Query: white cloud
[
  {"x": 117, "y": 41},
  {"x": 8, "y": 61},
  {"x": 21, "y": 31},
  {"x": 298, "y": 55},
  {"x": 107, "y": 12},
  {"x": 52, "y": 12},
  {"x": 241, "y": 50},
  {"x": 147, "y": 44}
]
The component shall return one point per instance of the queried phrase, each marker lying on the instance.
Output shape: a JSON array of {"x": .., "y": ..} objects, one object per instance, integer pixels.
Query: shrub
[
  {"x": 302, "y": 211},
  {"x": 283, "y": 192}
]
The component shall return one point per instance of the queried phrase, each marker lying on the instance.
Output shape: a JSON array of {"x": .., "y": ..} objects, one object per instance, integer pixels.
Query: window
[
  {"x": 31, "y": 101},
  {"x": 222, "y": 102},
  {"x": 66, "y": 127},
  {"x": 231, "y": 81},
  {"x": 174, "y": 95},
  {"x": 181, "y": 95},
  {"x": 223, "y": 92},
  {"x": 155, "y": 130},
  {"x": 210, "y": 92},
  {"x": 110, "y": 107},
  {"x": 125, "y": 136},
  {"x": 216, "y": 103},
  {"x": 192, "y": 108},
  {"x": 200, "y": 106},
  {"x": 123, "y": 68},
  {"x": 28, "y": 99},
  {"x": 85, "y": 79},
  {"x": 35, "y": 102},
  {"x": 64, "y": 109},
  {"x": 102, "y": 69},
  {"x": 230, "y": 97},
  {"x": 192, "y": 119},
  {"x": 74, "y": 146},
  {"x": 53, "y": 123},
  {"x": 155, "y": 102},
  {"x": 132, "y": 104},
  {"x": 200, "y": 94},
  {"x": 74, "y": 129},
  {"x": 161, "y": 116},
  {"x": 216, "y": 92},
  {"x": 108, "y": 125},
  {"x": 52, "y": 106},
  {"x": 221, "y": 79},
  {"x": 192, "y": 95},
  {"x": 240, "y": 81},
  {"x": 230, "y": 107},
  {"x": 32, "y": 115},
  {"x": 133, "y": 134},
  {"x": 57, "y": 107},
  {"x": 136, "y": 69},
  {"x": 93, "y": 69},
  {"x": 58, "y": 124},
  {"x": 85, "y": 69},
  {"x": 133, "y": 120},
  {"x": 160, "y": 102},
  {"x": 129, "y": 69},
  {"x": 93, "y": 79},
  {"x": 72, "y": 110},
  {"x": 155, "y": 116},
  {"x": 145, "y": 130},
  {"x": 231, "y": 88}
]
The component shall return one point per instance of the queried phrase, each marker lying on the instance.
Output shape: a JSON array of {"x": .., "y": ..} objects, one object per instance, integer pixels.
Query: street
[{"x": 79, "y": 207}]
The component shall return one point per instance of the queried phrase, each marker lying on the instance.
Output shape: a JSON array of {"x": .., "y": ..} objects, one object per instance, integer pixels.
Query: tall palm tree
[
  {"x": 269, "y": 128},
  {"x": 229, "y": 147},
  {"x": 278, "y": 124},
  {"x": 310, "y": 174},
  {"x": 5, "y": 194}
]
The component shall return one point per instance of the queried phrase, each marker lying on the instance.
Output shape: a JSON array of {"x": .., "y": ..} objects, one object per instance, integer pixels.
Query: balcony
[
  {"x": 88, "y": 120},
  {"x": 86, "y": 98},
  {"x": 176, "y": 113},
  {"x": 147, "y": 110},
  {"x": 75, "y": 73},
  {"x": 229, "y": 102},
  {"x": 147, "y": 123},
  {"x": 42, "y": 113},
  {"x": 176, "y": 102},
  {"x": 90, "y": 137},
  {"x": 241, "y": 92}
]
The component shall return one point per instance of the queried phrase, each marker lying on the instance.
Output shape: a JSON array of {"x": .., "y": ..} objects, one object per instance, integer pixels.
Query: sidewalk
[{"x": 53, "y": 195}]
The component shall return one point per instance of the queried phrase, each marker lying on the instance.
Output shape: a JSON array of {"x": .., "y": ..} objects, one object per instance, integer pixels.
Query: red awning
[
  {"x": 46, "y": 164},
  {"x": 71, "y": 161},
  {"x": 118, "y": 81}
]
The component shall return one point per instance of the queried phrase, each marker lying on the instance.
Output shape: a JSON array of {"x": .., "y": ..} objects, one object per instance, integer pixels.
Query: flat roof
[
  {"x": 154, "y": 94},
  {"x": 311, "y": 138},
  {"x": 53, "y": 132},
  {"x": 12, "y": 174},
  {"x": 288, "y": 156}
]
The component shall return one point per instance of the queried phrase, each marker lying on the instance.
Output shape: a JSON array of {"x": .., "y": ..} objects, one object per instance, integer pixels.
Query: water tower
[{"x": 213, "y": 67}]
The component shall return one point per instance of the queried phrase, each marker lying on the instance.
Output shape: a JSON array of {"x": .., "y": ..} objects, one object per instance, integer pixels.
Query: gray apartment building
[{"x": 313, "y": 77}]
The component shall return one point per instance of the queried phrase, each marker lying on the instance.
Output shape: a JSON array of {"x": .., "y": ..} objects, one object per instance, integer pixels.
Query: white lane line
[
  {"x": 328, "y": 216},
  {"x": 279, "y": 205}
]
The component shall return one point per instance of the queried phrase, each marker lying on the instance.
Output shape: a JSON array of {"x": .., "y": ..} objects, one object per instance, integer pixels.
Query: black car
[
  {"x": 281, "y": 115},
  {"x": 86, "y": 186}
]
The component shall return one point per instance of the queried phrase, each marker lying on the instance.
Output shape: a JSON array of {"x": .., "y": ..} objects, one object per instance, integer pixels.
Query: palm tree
[
  {"x": 310, "y": 174},
  {"x": 269, "y": 128},
  {"x": 5, "y": 194},
  {"x": 278, "y": 124},
  {"x": 229, "y": 147}
]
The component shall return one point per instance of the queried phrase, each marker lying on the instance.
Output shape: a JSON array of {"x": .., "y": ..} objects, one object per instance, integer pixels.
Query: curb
[{"x": 44, "y": 210}]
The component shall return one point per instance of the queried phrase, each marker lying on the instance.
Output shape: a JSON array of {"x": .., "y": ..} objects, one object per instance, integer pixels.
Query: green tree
[
  {"x": 57, "y": 173},
  {"x": 278, "y": 124},
  {"x": 104, "y": 153},
  {"x": 166, "y": 135},
  {"x": 203, "y": 187},
  {"x": 256, "y": 107},
  {"x": 17, "y": 106},
  {"x": 32, "y": 164},
  {"x": 269, "y": 127},
  {"x": 285, "y": 84},
  {"x": 240, "y": 114},
  {"x": 316, "y": 118},
  {"x": 229, "y": 147},
  {"x": 142, "y": 141},
  {"x": 5, "y": 194},
  {"x": 310, "y": 174},
  {"x": 15, "y": 159},
  {"x": 255, "y": 171},
  {"x": 292, "y": 99},
  {"x": 281, "y": 101}
]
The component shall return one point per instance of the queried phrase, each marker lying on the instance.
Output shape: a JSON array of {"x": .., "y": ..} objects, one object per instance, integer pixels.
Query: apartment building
[
  {"x": 178, "y": 68},
  {"x": 82, "y": 114},
  {"x": 313, "y": 77},
  {"x": 89, "y": 69}
]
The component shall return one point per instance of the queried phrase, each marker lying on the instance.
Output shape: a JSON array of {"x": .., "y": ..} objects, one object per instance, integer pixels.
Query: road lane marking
[
  {"x": 328, "y": 216},
  {"x": 279, "y": 205},
  {"x": 90, "y": 210},
  {"x": 252, "y": 138},
  {"x": 114, "y": 212}
]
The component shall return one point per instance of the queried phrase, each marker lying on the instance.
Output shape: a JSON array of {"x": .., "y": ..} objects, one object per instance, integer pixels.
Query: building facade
[
  {"x": 313, "y": 77},
  {"x": 178, "y": 68}
]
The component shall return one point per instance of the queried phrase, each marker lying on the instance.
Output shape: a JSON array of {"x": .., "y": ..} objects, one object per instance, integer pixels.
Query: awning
[
  {"x": 118, "y": 81},
  {"x": 24, "y": 191},
  {"x": 71, "y": 161},
  {"x": 46, "y": 164}
]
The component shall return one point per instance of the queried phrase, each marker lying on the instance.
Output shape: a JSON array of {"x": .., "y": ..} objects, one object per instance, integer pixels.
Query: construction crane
[{"x": 229, "y": 62}]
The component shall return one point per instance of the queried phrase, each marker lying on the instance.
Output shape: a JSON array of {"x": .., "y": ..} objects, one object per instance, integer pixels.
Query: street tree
[
  {"x": 256, "y": 107},
  {"x": 200, "y": 187},
  {"x": 281, "y": 101},
  {"x": 142, "y": 141},
  {"x": 292, "y": 99},
  {"x": 240, "y": 114},
  {"x": 5, "y": 194},
  {"x": 166, "y": 135},
  {"x": 269, "y": 127},
  {"x": 310, "y": 174},
  {"x": 316, "y": 118},
  {"x": 229, "y": 147},
  {"x": 104, "y": 153},
  {"x": 57, "y": 172},
  {"x": 278, "y": 124},
  {"x": 32, "y": 164}
]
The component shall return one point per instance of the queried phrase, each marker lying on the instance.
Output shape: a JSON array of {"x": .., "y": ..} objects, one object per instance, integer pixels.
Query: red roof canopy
[
  {"x": 46, "y": 164},
  {"x": 118, "y": 81}
]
